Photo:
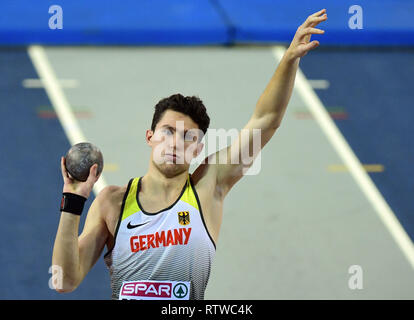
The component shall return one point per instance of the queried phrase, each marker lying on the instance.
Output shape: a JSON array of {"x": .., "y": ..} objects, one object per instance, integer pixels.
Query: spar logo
[
  {"x": 180, "y": 290},
  {"x": 155, "y": 290}
]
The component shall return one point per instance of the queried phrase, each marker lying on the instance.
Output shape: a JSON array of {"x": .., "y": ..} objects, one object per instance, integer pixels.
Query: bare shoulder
[
  {"x": 109, "y": 201},
  {"x": 112, "y": 193},
  {"x": 110, "y": 197},
  {"x": 205, "y": 177}
]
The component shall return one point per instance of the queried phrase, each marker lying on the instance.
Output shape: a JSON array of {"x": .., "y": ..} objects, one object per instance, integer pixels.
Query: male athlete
[{"x": 161, "y": 229}]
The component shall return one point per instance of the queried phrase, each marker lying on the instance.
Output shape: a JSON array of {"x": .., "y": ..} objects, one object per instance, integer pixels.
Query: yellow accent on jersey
[
  {"x": 189, "y": 197},
  {"x": 131, "y": 204}
]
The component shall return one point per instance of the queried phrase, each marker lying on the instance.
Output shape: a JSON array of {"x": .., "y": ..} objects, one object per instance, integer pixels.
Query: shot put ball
[{"x": 80, "y": 158}]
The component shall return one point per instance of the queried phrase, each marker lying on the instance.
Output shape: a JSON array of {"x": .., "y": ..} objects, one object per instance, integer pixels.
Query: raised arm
[
  {"x": 75, "y": 255},
  {"x": 270, "y": 108}
]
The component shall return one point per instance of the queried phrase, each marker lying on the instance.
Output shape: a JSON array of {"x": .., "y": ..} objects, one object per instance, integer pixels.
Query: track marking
[
  {"x": 47, "y": 112},
  {"x": 367, "y": 168},
  {"x": 337, "y": 113},
  {"x": 111, "y": 167},
  {"x": 38, "y": 83},
  {"x": 319, "y": 84},
  {"x": 351, "y": 161},
  {"x": 59, "y": 102}
]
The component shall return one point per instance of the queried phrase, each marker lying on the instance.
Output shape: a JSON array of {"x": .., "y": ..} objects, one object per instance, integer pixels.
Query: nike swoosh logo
[{"x": 130, "y": 226}]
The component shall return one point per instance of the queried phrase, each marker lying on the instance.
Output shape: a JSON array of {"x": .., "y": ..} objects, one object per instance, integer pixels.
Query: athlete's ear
[
  {"x": 199, "y": 148},
  {"x": 148, "y": 136}
]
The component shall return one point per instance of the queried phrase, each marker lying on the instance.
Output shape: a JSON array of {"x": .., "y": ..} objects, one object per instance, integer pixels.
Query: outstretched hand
[{"x": 301, "y": 43}]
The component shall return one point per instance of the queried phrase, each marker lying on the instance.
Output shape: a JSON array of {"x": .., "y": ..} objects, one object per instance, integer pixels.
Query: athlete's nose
[{"x": 177, "y": 142}]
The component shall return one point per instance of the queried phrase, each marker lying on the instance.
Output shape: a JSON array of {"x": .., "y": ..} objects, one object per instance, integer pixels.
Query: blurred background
[{"x": 330, "y": 213}]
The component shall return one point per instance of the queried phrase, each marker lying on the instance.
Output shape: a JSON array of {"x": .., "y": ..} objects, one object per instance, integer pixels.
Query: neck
[{"x": 156, "y": 182}]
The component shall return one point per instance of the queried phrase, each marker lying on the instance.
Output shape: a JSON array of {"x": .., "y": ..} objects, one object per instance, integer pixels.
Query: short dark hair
[{"x": 190, "y": 105}]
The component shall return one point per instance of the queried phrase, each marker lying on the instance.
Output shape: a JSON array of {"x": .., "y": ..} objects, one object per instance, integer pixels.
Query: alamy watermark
[
  {"x": 56, "y": 280},
  {"x": 356, "y": 20},
  {"x": 245, "y": 147},
  {"x": 56, "y": 20},
  {"x": 356, "y": 280}
]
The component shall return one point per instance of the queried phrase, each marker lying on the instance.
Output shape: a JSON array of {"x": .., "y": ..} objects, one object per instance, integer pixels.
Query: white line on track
[
  {"x": 350, "y": 160},
  {"x": 60, "y": 103},
  {"x": 38, "y": 83}
]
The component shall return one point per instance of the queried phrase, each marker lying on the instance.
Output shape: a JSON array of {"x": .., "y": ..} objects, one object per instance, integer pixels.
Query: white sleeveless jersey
[{"x": 162, "y": 255}]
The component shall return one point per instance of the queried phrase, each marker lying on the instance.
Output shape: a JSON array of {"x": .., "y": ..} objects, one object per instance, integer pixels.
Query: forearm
[
  {"x": 273, "y": 102},
  {"x": 275, "y": 98},
  {"x": 66, "y": 251}
]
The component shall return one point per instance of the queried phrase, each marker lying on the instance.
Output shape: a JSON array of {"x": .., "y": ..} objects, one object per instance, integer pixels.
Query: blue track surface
[
  {"x": 202, "y": 22},
  {"x": 375, "y": 89},
  {"x": 30, "y": 189},
  {"x": 143, "y": 22},
  {"x": 384, "y": 22}
]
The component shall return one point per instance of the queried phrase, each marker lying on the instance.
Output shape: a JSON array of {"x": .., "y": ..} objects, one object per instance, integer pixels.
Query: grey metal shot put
[{"x": 80, "y": 158}]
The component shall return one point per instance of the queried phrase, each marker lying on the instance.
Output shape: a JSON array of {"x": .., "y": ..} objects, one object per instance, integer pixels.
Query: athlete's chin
[{"x": 172, "y": 169}]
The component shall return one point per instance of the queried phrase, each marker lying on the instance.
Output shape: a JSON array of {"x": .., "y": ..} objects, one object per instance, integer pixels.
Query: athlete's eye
[{"x": 190, "y": 137}]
